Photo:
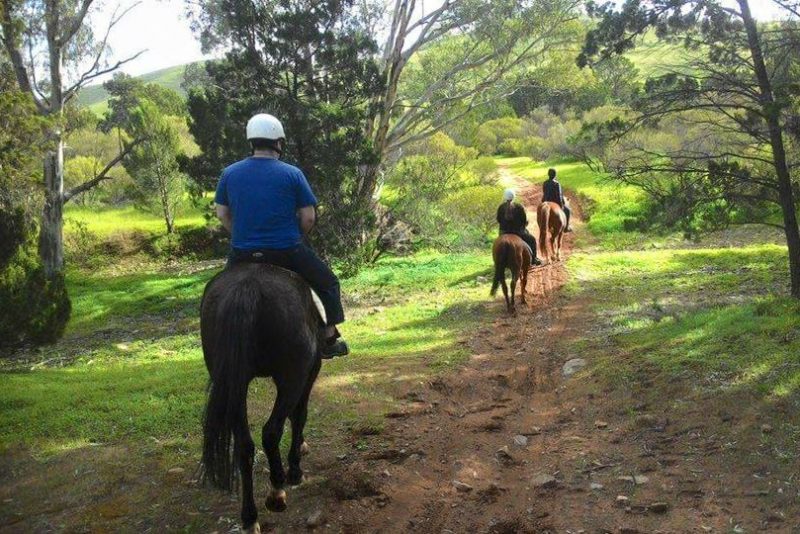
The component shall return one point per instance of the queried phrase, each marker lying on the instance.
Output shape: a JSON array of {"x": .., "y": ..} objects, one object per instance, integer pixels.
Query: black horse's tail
[
  {"x": 500, "y": 263},
  {"x": 225, "y": 419}
]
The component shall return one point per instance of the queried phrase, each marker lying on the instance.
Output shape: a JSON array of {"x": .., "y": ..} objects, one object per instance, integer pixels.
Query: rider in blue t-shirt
[{"x": 268, "y": 206}]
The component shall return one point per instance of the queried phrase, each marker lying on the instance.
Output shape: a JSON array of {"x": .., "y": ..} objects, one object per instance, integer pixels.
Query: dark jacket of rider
[
  {"x": 552, "y": 192},
  {"x": 512, "y": 218}
]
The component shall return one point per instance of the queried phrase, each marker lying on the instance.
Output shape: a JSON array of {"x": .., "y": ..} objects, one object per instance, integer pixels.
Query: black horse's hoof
[
  {"x": 295, "y": 478},
  {"x": 276, "y": 501}
]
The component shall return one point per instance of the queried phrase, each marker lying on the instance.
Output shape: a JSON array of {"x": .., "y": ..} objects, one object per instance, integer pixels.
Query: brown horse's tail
[
  {"x": 543, "y": 219},
  {"x": 500, "y": 262}
]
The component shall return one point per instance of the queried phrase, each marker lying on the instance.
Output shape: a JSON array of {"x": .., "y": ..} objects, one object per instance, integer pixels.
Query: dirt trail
[{"x": 509, "y": 444}]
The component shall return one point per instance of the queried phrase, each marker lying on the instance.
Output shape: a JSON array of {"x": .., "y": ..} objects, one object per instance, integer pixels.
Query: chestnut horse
[
  {"x": 551, "y": 217},
  {"x": 510, "y": 251}
]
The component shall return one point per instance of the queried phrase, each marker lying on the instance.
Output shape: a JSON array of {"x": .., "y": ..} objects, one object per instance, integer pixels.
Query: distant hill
[{"x": 95, "y": 97}]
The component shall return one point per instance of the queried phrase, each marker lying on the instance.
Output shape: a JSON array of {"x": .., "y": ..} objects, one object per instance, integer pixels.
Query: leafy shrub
[
  {"x": 471, "y": 214},
  {"x": 34, "y": 309},
  {"x": 485, "y": 169},
  {"x": 493, "y": 136}
]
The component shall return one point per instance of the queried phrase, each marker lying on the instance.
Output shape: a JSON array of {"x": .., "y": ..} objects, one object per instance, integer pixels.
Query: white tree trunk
[{"x": 51, "y": 241}]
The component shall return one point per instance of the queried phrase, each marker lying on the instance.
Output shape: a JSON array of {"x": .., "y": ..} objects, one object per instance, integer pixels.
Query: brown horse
[
  {"x": 510, "y": 251},
  {"x": 551, "y": 217}
]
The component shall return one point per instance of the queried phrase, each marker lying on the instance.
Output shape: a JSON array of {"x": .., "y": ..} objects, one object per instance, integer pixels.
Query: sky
[{"x": 160, "y": 27}]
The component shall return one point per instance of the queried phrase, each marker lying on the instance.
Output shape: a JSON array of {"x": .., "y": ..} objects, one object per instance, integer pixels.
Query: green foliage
[
  {"x": 158, "y": 183},
  {"x": 127, "y": 93},
  {"x": 500, "y": 136},
  {"x": 485, "y": 168},
  {"x": 20, "y": 140},
  {"x": 433, "y": 190},
  {"x": 313, "y": 69},
  {"x": 34, "y": 309}
]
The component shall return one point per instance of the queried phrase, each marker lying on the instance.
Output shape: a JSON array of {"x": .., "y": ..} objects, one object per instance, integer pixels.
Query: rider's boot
[{"x": 335, "y": 346}]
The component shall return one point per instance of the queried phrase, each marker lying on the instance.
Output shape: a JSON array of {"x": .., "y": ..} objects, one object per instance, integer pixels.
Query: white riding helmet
[
  {"x": 264, "y": 126},
  {"x": 508, "y": 195}
]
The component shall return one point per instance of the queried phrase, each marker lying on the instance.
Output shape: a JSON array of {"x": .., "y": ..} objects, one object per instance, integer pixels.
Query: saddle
[{"x": 276, "y": 259}]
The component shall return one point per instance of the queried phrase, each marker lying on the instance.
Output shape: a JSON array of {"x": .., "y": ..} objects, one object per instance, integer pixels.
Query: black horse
[{"x": 257, "y": 320}]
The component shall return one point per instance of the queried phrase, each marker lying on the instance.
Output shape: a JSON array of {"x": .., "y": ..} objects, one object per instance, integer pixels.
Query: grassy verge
[
  {"x": 137, "y": 374},
  {"x": 684, "y": 325},
  {"x": 106, "y": 221}
]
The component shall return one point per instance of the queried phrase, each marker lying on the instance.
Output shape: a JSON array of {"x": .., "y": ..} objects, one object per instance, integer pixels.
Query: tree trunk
[
  {"x": 51, "y": 242},
  {"x": 772, "y": 113}
]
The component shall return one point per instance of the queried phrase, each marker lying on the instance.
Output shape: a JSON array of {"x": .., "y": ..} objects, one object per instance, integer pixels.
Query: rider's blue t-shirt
[{"x": 264, "y": 195}]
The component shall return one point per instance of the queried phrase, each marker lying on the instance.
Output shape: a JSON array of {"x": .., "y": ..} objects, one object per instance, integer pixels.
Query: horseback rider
[
  {"x": 268, "y": 207},
  {"x": 552, "y": 192},
  {"x": 512, "y": 219}
]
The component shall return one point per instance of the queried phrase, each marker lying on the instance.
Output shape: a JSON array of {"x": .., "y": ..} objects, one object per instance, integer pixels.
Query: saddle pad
[{"x": 320, "y": 307}]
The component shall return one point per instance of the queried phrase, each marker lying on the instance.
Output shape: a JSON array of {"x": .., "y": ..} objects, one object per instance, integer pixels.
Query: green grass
[
  {"x": 654, "y": 57},
  {"x": 138, "y": 374},
  {"x": 712, "y": 316},
  {"x": 106, "y": 221}
]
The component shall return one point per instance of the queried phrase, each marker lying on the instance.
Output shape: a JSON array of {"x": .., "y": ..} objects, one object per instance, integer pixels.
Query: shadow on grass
[{"x": 702, "y": 318}]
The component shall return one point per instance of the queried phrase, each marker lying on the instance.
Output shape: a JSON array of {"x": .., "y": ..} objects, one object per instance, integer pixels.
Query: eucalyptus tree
[
  {"x": 733, "y": 107},
  {"x": 357, "y": 81},
  {"x": 55, "y": 52}
]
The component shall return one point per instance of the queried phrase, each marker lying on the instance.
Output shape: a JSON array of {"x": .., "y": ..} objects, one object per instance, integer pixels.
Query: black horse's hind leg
[
  {"x": 298, "y": 419},
  {"x": 289, "y": 393},
  {"x": 246, "y": 451}
]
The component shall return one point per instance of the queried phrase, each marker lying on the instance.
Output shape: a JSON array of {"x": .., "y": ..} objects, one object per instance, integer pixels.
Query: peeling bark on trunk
[{"x": 51, "y": 242}]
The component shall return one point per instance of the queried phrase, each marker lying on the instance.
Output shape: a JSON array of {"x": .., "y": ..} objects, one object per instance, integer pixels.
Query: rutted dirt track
[{"x": 509, "y": 444}]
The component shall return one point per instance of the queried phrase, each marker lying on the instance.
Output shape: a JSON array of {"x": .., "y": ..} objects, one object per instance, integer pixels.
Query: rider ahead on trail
[
  {"x": 551, "y": 192},
  {"x": 268, "y": 206},
  {"x": 512, "y": 219}
]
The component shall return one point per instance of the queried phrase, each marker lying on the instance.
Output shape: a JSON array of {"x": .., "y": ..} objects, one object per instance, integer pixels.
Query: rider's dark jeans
[
  {"x": 529, "y": 239},
  {"x": 567, "y": 212},
  {"x": 305, "y": 262}
]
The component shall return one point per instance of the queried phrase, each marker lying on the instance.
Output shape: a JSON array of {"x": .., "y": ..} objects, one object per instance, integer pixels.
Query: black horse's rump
[{"x": 256, "y": 320}]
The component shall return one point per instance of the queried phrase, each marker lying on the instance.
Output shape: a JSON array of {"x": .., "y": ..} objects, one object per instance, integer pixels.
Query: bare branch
[
  {"x": 103, "y": 174},
  {"x": 95, "y": 70},
  {"x": 74, "y": 26},
  {"x": 86, "y": 77},
  {"x": 15, "y": 55}
]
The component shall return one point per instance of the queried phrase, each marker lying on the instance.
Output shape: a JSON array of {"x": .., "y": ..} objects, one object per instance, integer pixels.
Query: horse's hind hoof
[
  {"x": 304, "y": 449},
  {"x": 254, "y": 529},
  {"x": 276, "y": 501},
  {"x": 295, "y": 478}
]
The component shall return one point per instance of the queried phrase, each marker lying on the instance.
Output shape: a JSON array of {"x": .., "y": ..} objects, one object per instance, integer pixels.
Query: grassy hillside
[
  {"x": 653, "y": 57},
  {"x": 94, "y": 96}
]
